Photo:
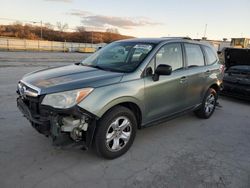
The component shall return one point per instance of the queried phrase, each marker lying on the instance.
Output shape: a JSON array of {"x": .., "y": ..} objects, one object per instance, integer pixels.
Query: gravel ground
[{"x": 184, "y": 152}]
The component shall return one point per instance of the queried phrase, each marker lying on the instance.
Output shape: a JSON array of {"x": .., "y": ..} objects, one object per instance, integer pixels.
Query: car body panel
[
  {"x": 237, "y": 82},
  {"x": 103, "y": 98},
  {"x": 70, "y": 77},
  {"x": 168, "y": 90},
  {"x": 209, "y": 75}
]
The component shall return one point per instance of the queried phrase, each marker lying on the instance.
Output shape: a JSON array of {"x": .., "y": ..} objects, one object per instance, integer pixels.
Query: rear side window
[
  {"x": 194, "y": 55},
  {"x": 211, "y": 57}
]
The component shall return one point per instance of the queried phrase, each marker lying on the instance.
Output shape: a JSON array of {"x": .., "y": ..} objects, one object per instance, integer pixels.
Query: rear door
[{"x": 196, "y": 74}]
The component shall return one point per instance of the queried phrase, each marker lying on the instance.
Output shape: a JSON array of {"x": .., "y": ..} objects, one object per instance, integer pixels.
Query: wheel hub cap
[
  {"x": 210, "y": 104},
  {"x": 118, "y": 133}
]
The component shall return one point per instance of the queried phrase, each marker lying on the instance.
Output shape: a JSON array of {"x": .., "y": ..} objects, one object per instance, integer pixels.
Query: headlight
[{"x": 66, "y": 99}]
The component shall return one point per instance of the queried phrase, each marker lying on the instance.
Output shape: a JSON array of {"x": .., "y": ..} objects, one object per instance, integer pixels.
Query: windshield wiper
[
  {"x": 98, "y": 67},
  {"x": 103, "y": 68}
]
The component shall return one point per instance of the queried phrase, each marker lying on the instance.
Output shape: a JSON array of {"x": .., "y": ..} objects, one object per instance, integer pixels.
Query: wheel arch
[
  {"x": 215, "y": 86},
  {"x": 135, "y": 109},
  {"x": 132, "y": 105}
]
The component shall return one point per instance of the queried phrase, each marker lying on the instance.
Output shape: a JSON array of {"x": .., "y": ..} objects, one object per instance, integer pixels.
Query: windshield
[{"x": 119, "y": 56}]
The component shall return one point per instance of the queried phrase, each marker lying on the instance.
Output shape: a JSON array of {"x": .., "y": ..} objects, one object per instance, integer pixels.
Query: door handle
[
  {"x": 183, "y": 79},
  {"x": 208, "y": 71}
]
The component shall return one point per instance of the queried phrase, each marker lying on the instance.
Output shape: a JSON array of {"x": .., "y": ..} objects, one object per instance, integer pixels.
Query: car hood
[
  {"x": 70, "y": 77},
  {"x": 236, "y": 56}
]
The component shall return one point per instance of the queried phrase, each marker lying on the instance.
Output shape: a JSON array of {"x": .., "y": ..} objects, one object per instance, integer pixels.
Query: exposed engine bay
[{"x": 74, "y": 124}]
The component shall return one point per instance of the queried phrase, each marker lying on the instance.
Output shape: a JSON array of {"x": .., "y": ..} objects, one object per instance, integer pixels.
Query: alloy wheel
[
  {"x": 210, "y": 104},
  {"x": 118, "y": 134}
]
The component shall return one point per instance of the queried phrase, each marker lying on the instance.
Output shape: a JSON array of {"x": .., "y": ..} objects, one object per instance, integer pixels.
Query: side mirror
[
  {"x": 98, "y": 48},
  {"x": 162, "y": 70},
  {"x": 219, "y": 52}
]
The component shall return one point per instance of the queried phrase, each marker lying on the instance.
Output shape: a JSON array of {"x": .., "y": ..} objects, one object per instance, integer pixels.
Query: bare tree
[
  {"x": 62, "y": 27},
  {"x": 49, "y": 26},
  {"x": 18, "y": 23},
  {"x": 81, "y": 29},
  {"x": 112, "y": 30}
]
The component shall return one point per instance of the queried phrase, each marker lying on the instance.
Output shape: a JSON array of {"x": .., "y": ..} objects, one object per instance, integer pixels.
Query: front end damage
[{"x": 64, "y": 126}]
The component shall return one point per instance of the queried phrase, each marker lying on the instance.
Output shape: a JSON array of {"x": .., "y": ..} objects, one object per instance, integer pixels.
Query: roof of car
[{"x": 155, "y": 40}]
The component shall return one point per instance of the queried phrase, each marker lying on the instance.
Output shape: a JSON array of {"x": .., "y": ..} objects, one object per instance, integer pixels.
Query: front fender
[
  {"x": 104, "y": 98},
  {"x": 119, "y": 101}
]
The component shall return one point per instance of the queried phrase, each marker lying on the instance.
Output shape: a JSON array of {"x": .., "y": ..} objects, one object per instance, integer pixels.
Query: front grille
[
  {"x": 32, "y": 104},
  {"x": 26, "y": 90}
]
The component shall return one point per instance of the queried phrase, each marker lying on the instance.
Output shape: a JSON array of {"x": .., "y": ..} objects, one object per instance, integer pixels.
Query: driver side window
[{"x": 170, "y": 54}]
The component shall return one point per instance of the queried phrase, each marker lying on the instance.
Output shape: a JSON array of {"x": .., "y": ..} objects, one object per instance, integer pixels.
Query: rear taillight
[{"x": 222, "y": 69}]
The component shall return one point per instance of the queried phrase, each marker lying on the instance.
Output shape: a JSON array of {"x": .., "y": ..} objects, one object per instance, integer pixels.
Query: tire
[
  {"x": 115, "y": 133},
  {"x": 208, "y": 104}
]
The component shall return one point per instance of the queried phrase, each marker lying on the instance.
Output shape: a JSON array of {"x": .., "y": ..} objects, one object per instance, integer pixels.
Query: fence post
[
  {"x": 24, "y": 43},
  {"x": 8, "y": 45},
  {"x": 64, "y": 46}
]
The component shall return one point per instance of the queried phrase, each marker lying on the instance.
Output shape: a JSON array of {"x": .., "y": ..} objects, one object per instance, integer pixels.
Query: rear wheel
[
  {"x": 208, "y": 105},
  {"x": 115, "y": 132}
]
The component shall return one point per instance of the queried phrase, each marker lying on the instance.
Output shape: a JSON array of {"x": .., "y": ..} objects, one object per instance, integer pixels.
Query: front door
[{"x": 167, "y": 95}]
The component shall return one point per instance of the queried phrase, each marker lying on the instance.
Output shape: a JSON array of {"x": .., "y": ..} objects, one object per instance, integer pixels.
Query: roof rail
[{"x": 187, "y": 38}]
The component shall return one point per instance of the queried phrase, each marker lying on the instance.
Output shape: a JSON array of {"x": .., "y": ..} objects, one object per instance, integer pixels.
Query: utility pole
[
  {"x": 41, "y": 28},
  {"x": 205, "y": 31},
  {"x": 92, "y": 38}
]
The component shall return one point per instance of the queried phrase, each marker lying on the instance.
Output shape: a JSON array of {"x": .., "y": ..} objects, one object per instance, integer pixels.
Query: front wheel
[
  {"x": 116, "y": 131},
  {"x": 208, "y": 105}
]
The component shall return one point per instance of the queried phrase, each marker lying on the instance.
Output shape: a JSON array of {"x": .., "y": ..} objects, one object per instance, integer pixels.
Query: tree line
[{"x": 80, "y": 34}]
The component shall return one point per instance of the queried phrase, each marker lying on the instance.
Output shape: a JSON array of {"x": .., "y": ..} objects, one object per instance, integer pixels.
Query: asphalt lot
[{"x": 184, "y": 152}]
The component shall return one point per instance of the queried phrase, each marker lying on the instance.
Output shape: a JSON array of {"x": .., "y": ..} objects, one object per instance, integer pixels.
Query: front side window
[
  {"x": 194, "y": 55},
  {"x": 170, "y": 54},
  {"x": 119, "y": 56},
  {"x": 211, "y": 57}
]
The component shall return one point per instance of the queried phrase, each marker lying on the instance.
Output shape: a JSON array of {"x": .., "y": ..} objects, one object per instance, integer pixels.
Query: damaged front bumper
[{"x": 62, "y": 125}]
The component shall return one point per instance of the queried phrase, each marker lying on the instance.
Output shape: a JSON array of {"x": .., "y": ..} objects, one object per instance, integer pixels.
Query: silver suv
[{"x": 123, "y": 87}]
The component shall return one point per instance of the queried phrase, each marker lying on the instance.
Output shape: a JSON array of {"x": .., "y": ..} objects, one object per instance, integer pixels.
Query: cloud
[
  {"x": 80, "y": 13},
  {"x": 93, "y": 20},
  {"x": 63, "y": 1},
  {"x": 121, "y": 22}
]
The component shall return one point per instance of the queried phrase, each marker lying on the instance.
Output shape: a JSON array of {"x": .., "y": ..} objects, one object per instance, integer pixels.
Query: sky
[{"x": 139, "y": 18}]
